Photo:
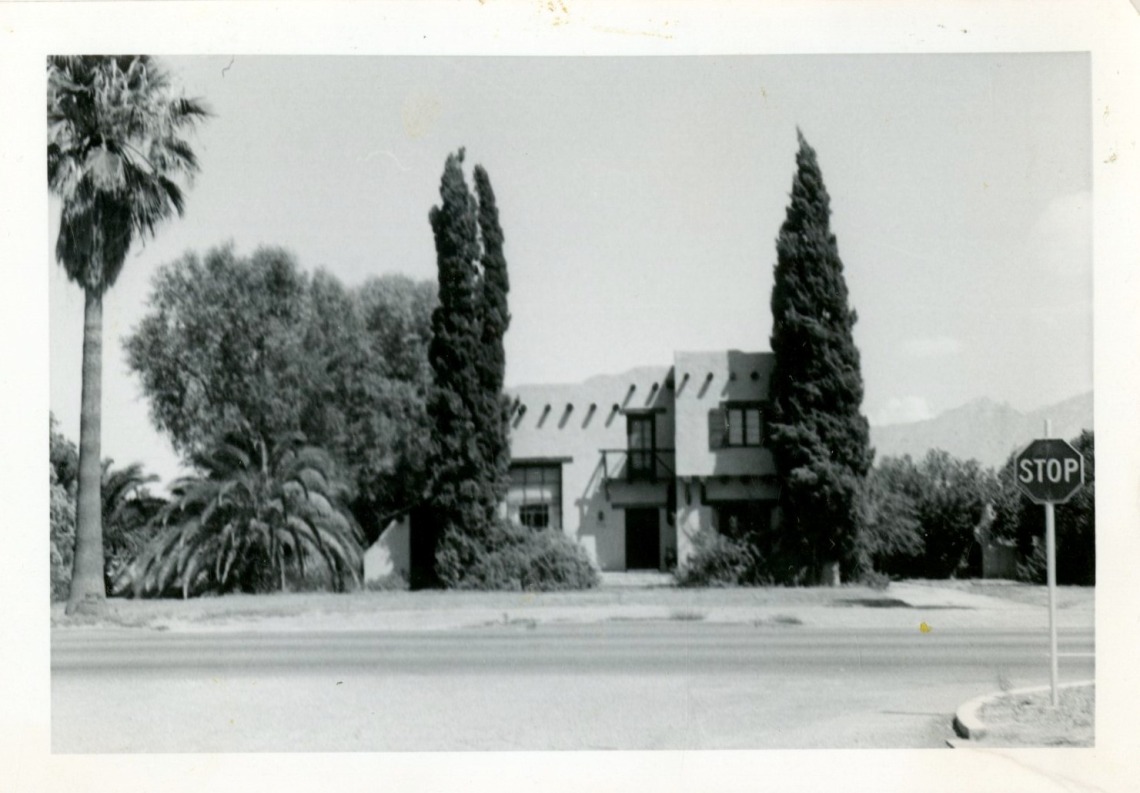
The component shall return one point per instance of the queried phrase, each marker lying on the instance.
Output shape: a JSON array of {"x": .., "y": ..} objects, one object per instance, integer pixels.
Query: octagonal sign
[{"x": 1049, "y": 471}]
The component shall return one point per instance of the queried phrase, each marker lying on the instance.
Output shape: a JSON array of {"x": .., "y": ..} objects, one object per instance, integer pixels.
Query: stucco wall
[
  {"x": 389, "y": 556},
  {"x": 703, "y": 381},
  {"x": 571, "y": 428}
]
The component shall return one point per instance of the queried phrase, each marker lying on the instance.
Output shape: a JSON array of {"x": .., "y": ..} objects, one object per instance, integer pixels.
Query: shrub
[
  {"x": 718, "y": 560},
  {"x": 520, "y": 558},
  {"x": 1018, "y": 518},
  {"x": 1033, "y": 569},
  {"x": 875, "y": 579},
  {"x": 62, "y": 539},
  {"x": 255, "y": 514}
]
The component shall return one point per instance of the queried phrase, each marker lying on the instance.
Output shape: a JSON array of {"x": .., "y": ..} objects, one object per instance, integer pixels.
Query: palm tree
[
  {"x": 128, "y": 510},
  {"x": 255, "y": 514},
  {"x": 113, "y": 144}
]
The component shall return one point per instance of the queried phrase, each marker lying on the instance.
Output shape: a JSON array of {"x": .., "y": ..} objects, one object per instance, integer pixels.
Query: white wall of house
[
  {"x": 390, "y": 556},
  {"x": 705, "y": 380},
  {"x": 577, "y": 421}
]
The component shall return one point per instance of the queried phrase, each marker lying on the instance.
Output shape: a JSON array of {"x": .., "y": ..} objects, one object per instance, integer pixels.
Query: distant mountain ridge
[{"x": 983, "y": 430}]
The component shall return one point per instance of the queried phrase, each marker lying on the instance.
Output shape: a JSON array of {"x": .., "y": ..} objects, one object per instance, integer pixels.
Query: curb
[{"x": 968, "y": 723}]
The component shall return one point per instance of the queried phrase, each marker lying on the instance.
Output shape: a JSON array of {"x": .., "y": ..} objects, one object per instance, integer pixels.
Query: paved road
[{"x": 670, "y": 685}]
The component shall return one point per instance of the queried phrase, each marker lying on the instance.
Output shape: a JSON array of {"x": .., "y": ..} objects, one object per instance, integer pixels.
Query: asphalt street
[{"x": 611, "y": 685}]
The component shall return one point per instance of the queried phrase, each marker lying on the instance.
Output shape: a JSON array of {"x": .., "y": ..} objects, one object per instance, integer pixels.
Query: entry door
[{"x": 642, "y": 539}]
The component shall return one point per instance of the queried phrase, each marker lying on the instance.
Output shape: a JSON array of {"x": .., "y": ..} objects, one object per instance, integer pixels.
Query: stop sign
[{"x": 1049, "y": 471}]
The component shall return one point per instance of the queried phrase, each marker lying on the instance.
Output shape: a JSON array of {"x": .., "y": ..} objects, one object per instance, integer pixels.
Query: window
[
  {"x": 641, "y": 432},
  {"x": 743, "y": 424},
  {"x": 535, "y": 516},
  {"x": 535, "y": 496}
]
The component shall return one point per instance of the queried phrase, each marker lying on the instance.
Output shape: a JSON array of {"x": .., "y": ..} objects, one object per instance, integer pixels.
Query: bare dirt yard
[
  {"x": 1030, "y": 720},
  {"x": 942, "y": 604},
  {"x": 1017, "y": 591},
  {"x": 128, "y": 612}
]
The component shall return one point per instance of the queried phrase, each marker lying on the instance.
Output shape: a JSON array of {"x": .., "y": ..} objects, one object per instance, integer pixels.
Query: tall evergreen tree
[
  {"x": 818, "y": 436},
  {"x": 496, "y": 318},
  {"x": 463, "y": 493}
]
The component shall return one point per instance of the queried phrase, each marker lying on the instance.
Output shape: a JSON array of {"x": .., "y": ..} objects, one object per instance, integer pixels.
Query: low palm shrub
[{"x": 256, "y": 517}]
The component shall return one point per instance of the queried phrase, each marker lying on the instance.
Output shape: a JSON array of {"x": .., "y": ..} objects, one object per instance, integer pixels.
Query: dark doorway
[
  {"x": 422, "y": 540},
  {"x": 642, "y": 539}
]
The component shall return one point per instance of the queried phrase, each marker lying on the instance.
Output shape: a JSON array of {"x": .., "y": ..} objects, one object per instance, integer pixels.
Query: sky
[{"x": 641, "y": 198}]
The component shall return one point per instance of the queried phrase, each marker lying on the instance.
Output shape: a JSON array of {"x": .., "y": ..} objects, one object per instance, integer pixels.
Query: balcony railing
[{"x": 638, "y": 465}]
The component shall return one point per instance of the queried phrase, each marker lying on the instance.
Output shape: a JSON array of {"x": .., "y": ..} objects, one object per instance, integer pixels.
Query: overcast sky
[{"x": 641, "y": 199}]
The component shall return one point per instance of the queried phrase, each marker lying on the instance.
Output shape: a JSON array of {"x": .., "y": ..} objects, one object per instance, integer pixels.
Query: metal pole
[{"x": 1051, "y": 564}]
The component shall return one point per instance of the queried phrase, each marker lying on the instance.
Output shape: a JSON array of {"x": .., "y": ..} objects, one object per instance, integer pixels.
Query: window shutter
[{"x": 718, "y": 428}]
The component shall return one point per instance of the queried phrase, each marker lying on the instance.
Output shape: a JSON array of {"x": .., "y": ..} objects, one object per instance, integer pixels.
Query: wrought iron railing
[{"x": 638, "y": 465}]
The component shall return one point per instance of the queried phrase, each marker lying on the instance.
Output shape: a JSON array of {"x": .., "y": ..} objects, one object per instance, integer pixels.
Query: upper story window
[
  {"x": 641, "y": 436},
  {"x": 736, "y": 424},
  {"x": 743, "y": 425}
]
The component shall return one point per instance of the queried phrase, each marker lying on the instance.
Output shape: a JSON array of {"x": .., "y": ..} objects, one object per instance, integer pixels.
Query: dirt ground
[
  {"x": 127, "y": 611},
  {"x": 1030, "y": 720},
  {"x": 1017, "y": 591}
]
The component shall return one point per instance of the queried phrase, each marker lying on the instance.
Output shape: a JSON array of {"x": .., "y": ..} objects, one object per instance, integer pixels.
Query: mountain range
[{"x": 984, "y": 430}]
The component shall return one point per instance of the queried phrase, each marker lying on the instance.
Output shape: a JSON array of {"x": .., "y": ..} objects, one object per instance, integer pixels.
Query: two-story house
[{"x": 631, "y": 466}]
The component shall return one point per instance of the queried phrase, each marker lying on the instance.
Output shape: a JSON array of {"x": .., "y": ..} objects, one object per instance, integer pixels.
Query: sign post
[{"x": 1050, "y": 471}]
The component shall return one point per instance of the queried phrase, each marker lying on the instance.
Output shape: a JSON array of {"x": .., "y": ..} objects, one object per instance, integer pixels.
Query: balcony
[{"x": 641, "y": 471}]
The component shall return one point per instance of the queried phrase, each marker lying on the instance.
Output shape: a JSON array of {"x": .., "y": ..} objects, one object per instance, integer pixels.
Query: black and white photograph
[{"x": 494, "y": 399}]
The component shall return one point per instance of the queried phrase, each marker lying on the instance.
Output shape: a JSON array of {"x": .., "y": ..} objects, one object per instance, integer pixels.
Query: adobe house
[{"x": 631, "y": 466}]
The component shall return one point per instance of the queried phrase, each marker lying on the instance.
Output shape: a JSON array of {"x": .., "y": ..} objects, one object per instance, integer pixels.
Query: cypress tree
[
  {"x": 818, "y": 436},
  {"x": 461, "y": 505},
  {"x": 470, "y": 456},
  {"x": 496, "y": 319}
]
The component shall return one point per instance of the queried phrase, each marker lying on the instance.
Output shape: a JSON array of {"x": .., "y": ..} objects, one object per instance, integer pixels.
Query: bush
[
  {"x": 874, "y": 579},
  {"x": 519, "y": 558},
  {"x": 1034, "y": 568},
  {"x": 1019, "y": 519},
  {"x": 62, "y": 539},
  {"x": 718, "y": 560}
]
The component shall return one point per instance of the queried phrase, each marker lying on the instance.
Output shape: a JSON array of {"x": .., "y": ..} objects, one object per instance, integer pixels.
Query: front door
[{"x": 642, "y": 539}]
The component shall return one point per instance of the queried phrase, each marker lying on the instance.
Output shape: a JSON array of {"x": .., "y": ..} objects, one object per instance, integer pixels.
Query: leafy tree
[
  {"x": 231, "y": 341},
  {"x": 1018, "y": 518},
  {"x": 64, "y": 457},
  {"x": 818, "y": 436},
  {"x": 889, "y": 529},
  {"x": 256, "y": 514},
  {"x": 952, "y": 502},
  {"x": 113, "y": 145},
  {"x": 222, "y": 346},
  {"x": 470, "y": 451},
  {"x": 947, "y": 498}
]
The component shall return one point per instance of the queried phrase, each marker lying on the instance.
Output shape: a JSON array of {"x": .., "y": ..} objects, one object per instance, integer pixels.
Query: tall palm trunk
[{"x": 88, "y": 592}]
